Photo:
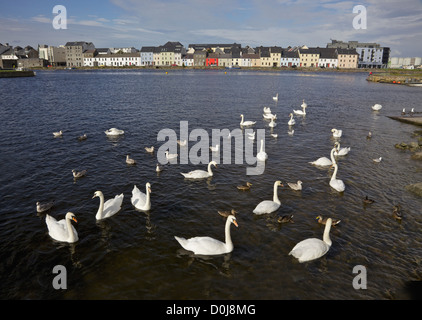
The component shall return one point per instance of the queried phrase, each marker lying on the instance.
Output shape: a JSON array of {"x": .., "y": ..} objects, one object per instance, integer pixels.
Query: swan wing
[
  {"x": 203, "y": 245},
  {"x": 112, "y": 206},
  {"x": 196, "y": 174},
  {"x": 139, "y": 198},
  {"x": 323, "y": 161},
  {"x": 309, "y": 249},
  {"x": 266, "y": 206}
]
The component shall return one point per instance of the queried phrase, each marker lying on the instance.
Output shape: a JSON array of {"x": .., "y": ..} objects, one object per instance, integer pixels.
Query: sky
[{"x": 135, "y": 23}]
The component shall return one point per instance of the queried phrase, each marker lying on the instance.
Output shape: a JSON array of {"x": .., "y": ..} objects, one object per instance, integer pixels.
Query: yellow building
[
  {"x": 347, "y": 58},
  {"x": 308, "y": 57}
]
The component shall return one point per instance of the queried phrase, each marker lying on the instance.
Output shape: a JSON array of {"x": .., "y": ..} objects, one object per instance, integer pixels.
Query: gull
[
  {"x": 58, "y": 134},
  {"x": 150, "y": 150},
  {"x": 377, "y": 160}
]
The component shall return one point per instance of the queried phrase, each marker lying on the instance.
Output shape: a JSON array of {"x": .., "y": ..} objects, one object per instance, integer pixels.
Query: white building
[
  {"x": 290, "y": 59},
  {"x": 328, "y": 58},
  {"x": 187, "y": 60},
  {"x": 147, "y": 56},
  {"x": 113, "y": 60}
]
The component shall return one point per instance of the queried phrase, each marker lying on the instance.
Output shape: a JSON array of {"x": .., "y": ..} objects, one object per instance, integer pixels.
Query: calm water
[{"x": 134, "y": 255}]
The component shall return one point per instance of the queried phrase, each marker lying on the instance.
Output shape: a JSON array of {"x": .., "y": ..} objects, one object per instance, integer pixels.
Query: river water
[{"x": 134, "y": 255}]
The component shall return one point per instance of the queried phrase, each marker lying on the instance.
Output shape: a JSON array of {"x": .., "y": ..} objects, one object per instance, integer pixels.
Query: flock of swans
[{"x": 306, "y": 250}]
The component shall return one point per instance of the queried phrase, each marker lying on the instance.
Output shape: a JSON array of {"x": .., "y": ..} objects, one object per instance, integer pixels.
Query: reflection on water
[{"x": 134, "y": 254}]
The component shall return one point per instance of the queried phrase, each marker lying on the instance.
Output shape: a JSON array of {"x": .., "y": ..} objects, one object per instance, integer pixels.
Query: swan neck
[
  {"x": 334, "y": 176},
  {"x": 229, "y": 243},
  {"x": 326, "y": 236},
  {"x": 275, "y": 197},
  {"x": 209, "y": 169},
  {"x": 70, "y": 230},
  {"x": 333, "y": 160},
  {"x": 262, "y": 144},
  {"x": 101, "y": 207}
]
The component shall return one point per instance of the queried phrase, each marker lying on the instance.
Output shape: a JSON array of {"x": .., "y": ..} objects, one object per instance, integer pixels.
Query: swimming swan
[
  {"x": 200, "y": 174},
  {"x": 114, "y": 132},
  {"x": 140, "y": 200},
  {"x": 337, "y": 133},
  {"x": 268, "y": 206},
  {"x": 376, "y": 107},
  {"x": 313, "y": 248},
  {"x": 208, "y": 245},
  {"x": 262, "y": 155},
  {"x": 324, "y": 161},
  {"x": 291, "y": 121},
  {"x": 62, "y": 230},
  {"x": 108, "y": 208},
  {"x": 341, "y": 151},
  {"x": 335, "y": 183},
  {"x": 246, "y": 123}
]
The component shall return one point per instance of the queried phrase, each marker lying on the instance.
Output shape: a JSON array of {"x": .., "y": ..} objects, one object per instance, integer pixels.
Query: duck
[
  {"x": 322, "y": 220},
  {"x": 170, "y": 156},
  {"x": 313, "y": 248},
  {"x": 201, "y": 174},
  {"x": 291, "y": 121},
  {"x": 367, "y": 200},
  {"x": 45, "y": 206},
  {"x": 208, "y": 245},
  {"x": 245, "y": 187},
  {"x": 108, "y": 208},
  {"x": 295, "y": 186},
  {"x": 227, "y": 213},
  {"x": 376, "y": 107},
  {"x": 341, "y": 151},
  {"x": 285, "y": 219},
  {"x": 396, "y": 212},
  {"x": 335, "y": 183},
  {"x": 268, "y": 206},
  {"x": 140, "y": 200},
  {"x": 272, "y": 124},
  {"x": 276, "y": 97},
  {"x": 62, "y": 230},
  {"x": 262, "y": 155},
  {"x": 246, "y": 123},
  {"x": 130, "y": 161},
  {"x": 149, "y": 149},
  {"x": 378, "y": 160},
  {"x": 324, "y": 161},
  {"x": 337, "y": 133},
  {"x": 215, "y": 149},
  {"x": 267, "y": 110},
  {"x": 79, "y": 174},
  {"x": 403, "y": 112},
  {"x": 114, "y": 132},
  {"x": 369, "y": 136},
  {"x": 58, "y": 134},
  {"x": 83, "y": 137}
]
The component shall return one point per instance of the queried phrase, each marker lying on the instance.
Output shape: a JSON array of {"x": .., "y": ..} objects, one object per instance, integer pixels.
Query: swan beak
[
  {"x": 74, "y": 219},
  {"x": 94, "y": 196},
  {"x": 235, "y": 223},
  {"x": 149, "y": 190}
]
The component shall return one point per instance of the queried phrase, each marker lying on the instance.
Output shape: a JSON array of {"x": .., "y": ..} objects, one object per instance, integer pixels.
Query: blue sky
[{"x": 116, "y": 23}]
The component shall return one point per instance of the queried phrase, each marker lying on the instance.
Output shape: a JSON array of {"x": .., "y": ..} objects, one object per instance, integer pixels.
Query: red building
[{"x": 212, "y": 60}]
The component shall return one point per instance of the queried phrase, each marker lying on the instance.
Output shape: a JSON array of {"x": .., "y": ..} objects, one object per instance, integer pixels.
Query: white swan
[
  {"x": 324, "y": 161},
  {"x": 208, "y": 245},
  {"x": 108, "y": 208},
  {"x": 129, "y": 160},
  {"x": 158, "y": 168},
  {"x": 291, "y": 121},
  {"x": 313, "y": 248},
  {"x": 262, "y": 155},
  {"x": 272, "y": 124},
  {"x": 336, "y": 133},
  {"x": 200, "y": 174},
  {"x": 268, "y": 206},
  {"x": 246, "y": 123},
  {"x": 170, "y": 156},
  {"x": 341, "y": 151},
  {"x": 251, "y": 136},
  {"x": 300, "y": 112},
  {"x": 216, "y": 148},
  {"x": 267, "y": 110},
  {"x": 182, "y": 143},
  {"x": 304, "y": 104},
  {"x": 114, "y": 132},
  {"x": 268, "y": 116},
  {"x": 62, "y": 230},
  {"x": 140, "y": 200},
  {"x": 57, "y": 134},
  {"x": 276, "y": 97},
  {"x": 377, "y": 159},
  {"x": 376, "y": 107},
  {"x": 335, "y": 183}
]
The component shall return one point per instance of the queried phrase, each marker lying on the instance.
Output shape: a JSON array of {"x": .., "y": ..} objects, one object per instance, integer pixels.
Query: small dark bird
[
  {"x": 369, "y": 136},
  {"x": 322, "y": 220},
  {"x": 285, "y": 219},
  {"x": 227, "y": 213},
  {"x": 396, "y": 212},
  {"x": 79, "y": 174},
  {"x": 245, "y": 187},
  {"x": 42, "y": 207},
  {"x": 82, "y": 138},
  {"x": 368, "y": 201}
]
